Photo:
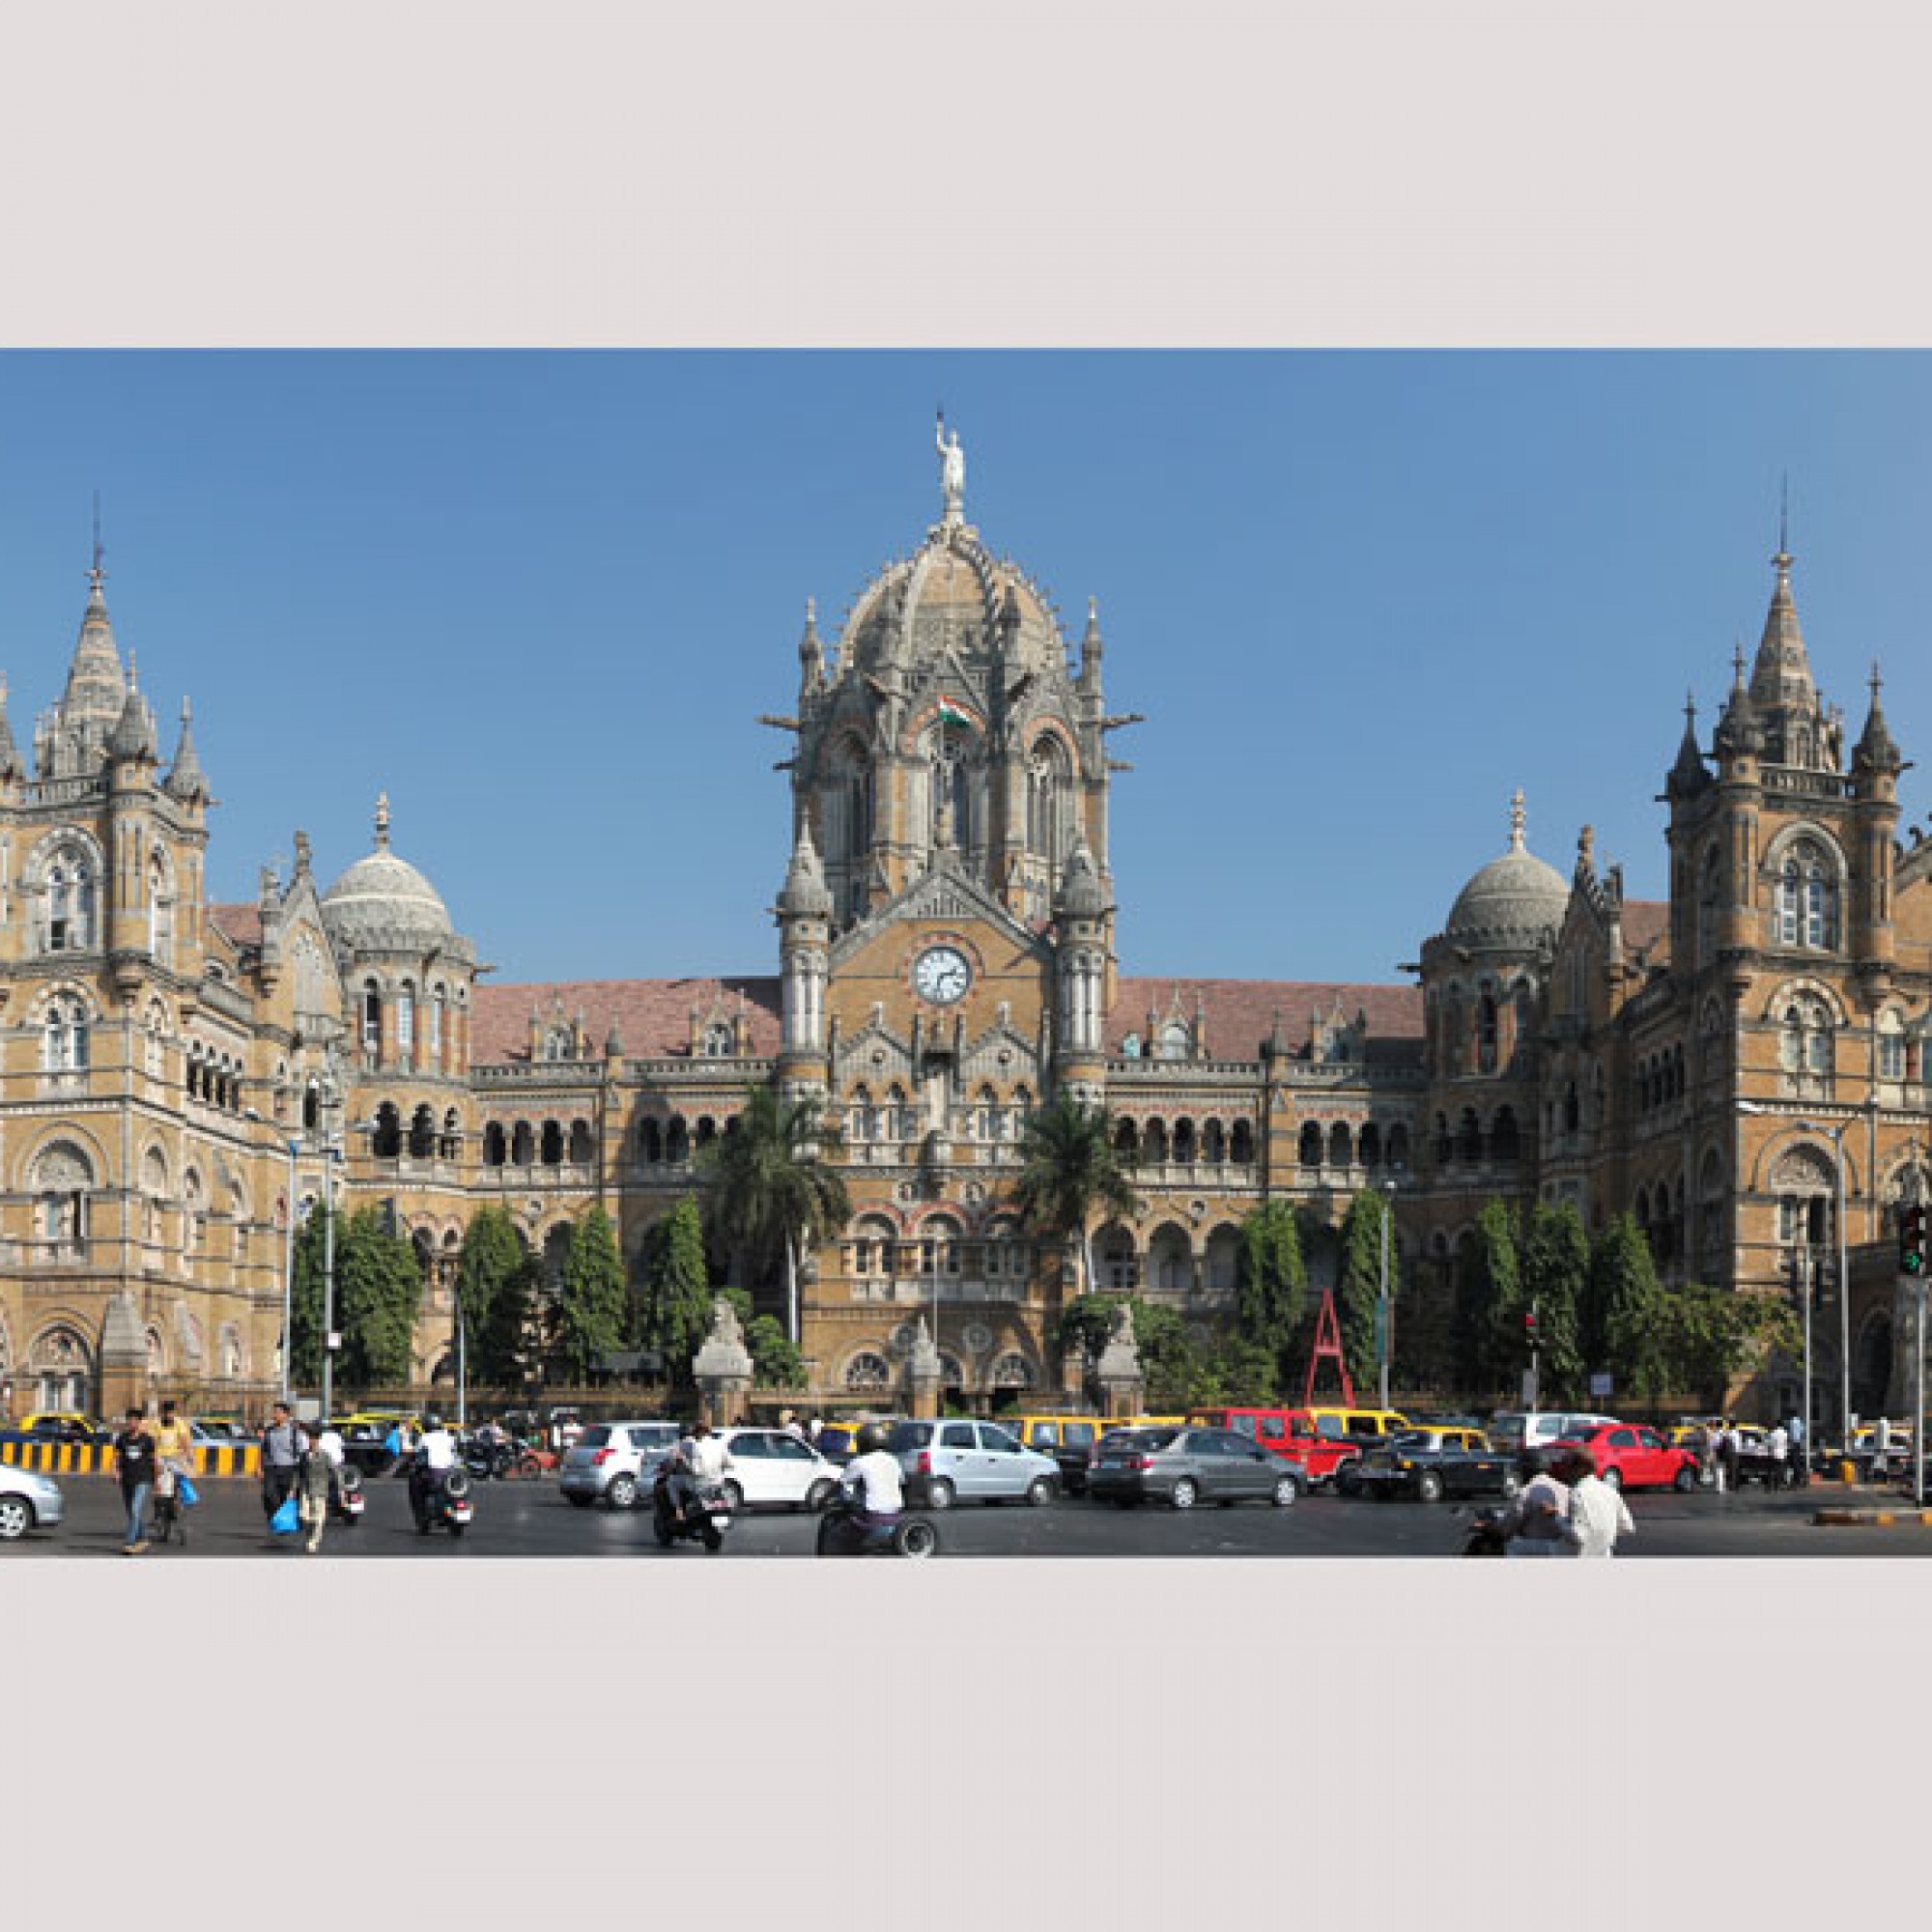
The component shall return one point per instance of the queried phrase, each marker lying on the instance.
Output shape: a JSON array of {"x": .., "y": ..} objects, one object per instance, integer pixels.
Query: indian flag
[{"x": 950, "y": 714}]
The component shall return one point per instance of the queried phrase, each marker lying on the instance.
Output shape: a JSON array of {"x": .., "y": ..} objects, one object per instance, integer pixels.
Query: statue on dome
[{"x": 952, "y": 471}]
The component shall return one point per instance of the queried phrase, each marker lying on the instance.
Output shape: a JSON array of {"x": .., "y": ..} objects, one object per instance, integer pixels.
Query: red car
[{"x": 1636, "y": 1459}]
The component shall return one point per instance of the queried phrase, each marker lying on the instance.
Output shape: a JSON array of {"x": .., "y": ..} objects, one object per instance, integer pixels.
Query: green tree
[
  {"x": 305, "y": 1302},
  {"x": 1555, "y": 1280},
  {"x": 1178, "y": 1374},
  {"x": 1489, "y": 1289},
  {"x": 591, "y": 1295},
  {"x": 1634, "y": 1313},
  {"x": 674, "y": 1311},
  {"x": 1360, "y": 1284},
  {"x": 1085, "y": 1323},
  {"x": 1271, "y": 1282},
  {"x": 1070, "y": 1172},
  {"x": 493, "y": 1287},
  {"x": 1713, "y": 1335},
  {"x": 1248, "y": 1376},
  {"x": 770, "y": 1193},
  {"x": 776, "y": 1360},
  {"x": 379, "y": 1288}
]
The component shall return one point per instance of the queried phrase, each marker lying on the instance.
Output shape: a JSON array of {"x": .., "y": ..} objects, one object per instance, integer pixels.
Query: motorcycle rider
[
  {"x": 698, "y": 1465},
  {"x": 875, "y": 1480},
  {"x": 436, "y": 1458}
]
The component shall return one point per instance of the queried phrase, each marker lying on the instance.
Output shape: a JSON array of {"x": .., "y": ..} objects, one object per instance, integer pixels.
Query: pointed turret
[
  {"x": 10, "y": 752},
  {"x": 185, "y": 781},
  {"x": 1739, "y": 732},
  {"x": 134, "y": 734},
  {"x": 1688, "y": 775},
  {"x": 1876, "y": 752},
  {"x": 1093, "y": 651},
  {"x": 72, "y": 739},
  {"x": 804, "y": 893},
  {"x": 1798, "y": 730},
  {"x": 1081, "y": 894},
  {"x": 811, "y": 652}
]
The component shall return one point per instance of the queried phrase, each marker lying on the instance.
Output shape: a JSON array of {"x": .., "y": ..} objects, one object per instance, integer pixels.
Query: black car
[{"x": 1430, "y": 1463}]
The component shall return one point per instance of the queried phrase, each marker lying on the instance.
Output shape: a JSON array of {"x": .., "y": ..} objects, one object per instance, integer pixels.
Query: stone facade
[{"x": 174, "y": 1071}]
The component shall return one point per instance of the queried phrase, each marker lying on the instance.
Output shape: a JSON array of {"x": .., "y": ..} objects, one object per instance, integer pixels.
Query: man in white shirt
[
  {"x": 876, "y": 1482},
  {"x": 1598, "y": 1512},
  {"x": 435, "y": 1457},
  {"x": 698, "y": 1465}
]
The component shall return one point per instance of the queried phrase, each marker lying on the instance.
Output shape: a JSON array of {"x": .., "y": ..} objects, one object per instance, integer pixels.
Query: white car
[
  {"x": 27, "y": 1500},
  {"x": 613, "y": 1463},
  {"x": 770, "y": 1467}
]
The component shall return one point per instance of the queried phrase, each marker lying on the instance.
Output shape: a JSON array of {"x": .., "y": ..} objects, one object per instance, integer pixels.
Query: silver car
[
  {"x": 613, "y": 1461},
  {"x": 953, "y": 1460},
  {"x": 27, "y": 1500}
]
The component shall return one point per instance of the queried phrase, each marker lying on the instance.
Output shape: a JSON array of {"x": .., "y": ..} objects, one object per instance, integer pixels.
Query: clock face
[{"x": 941, "y": 974}]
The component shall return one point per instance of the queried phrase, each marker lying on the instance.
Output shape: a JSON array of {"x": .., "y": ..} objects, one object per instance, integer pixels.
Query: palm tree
[
  {"x": 768, "y": 1189},
  {"x": 1070, "y": 1168}
]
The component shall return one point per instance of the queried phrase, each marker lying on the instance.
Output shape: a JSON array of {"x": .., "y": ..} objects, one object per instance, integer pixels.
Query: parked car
[
  {"x": 1633, "y": 1458},
  {"x": 1430, "y": 1463},
  {"x": 1070, "y": 1439},
  {"x": 1536, "y": 1427},
  {"x": 63, "y": 1426},
  {"x": 771, "y": 1468},
  {"x": 28, "y": 1500},
  {"x": 1184, "y": 1466},
  {"x": 955, "y": 1460},
  {"x": 1320, "y": 1452},
  {"x": 612, "y": 1463}
]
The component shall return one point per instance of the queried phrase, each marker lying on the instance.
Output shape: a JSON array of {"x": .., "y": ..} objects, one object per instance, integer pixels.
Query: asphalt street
[{"x": 533, "y": 1520}]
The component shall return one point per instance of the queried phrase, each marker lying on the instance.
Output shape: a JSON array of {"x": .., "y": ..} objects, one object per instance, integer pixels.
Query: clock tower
[{"x": 947, "y": 935}]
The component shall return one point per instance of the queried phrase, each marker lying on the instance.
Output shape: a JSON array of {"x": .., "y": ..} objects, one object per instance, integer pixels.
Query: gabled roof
[
  {"x": 1240, "y": 1014},
  {"x": 653, "y": 1016}
]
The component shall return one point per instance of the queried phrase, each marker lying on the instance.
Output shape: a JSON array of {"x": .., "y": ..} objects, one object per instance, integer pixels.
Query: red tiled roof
[
  {"x": 653, "y": 1016},
  {"x": 1239, "y": 1013},
  {"x": 243, "y": 924},
  {"x": 1645, "y": 921}
]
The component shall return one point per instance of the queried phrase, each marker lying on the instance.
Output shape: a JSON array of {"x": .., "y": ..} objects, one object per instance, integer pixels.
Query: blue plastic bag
[
  {"x": 286, "y": 1521},
  {"x": 186, "y": 1493}
]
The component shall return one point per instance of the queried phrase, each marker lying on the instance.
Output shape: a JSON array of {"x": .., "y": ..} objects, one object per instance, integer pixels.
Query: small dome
[
  {"x": 383, "y": 902},
  {"x": 1512, "y": 900}
]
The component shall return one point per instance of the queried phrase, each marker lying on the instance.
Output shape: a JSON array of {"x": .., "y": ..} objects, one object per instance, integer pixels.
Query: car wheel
[
  {"x": 621, "y": 1492},
  {"x": 819, "y": 1494},
  {"x": 1039, "y": 1490},
  {"x": 1347, "y": 1482},
  {"x": 17, "y": 1518},
  {"x": 1186, "y": 1493},
  {"x": 941, "y": 1492},
  {"x": 1614, "y": 1477},
  {"x": 1685, "y": 1480},
  {"x": 917, "y": 1538},
  {"x": 574, "y": 1500},
  {"x": 1428, "y": 1487},
  {"x": 1286, "y": 1491}
]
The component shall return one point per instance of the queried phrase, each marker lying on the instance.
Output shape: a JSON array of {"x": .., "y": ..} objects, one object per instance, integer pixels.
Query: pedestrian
[
  {"x": 1710, "y": 1470},
  {"x": 1778, "y": 1446},
  {"x": 1730, "y": 1443},
  {"x": 174, "y": 1448},
  {"x": 1795, "y": 1427},
  {"x": 314, "y": 1482},
  {"x": 134, "y": 1464},
  {"x": 283, "y": 1447},
  {"x": 1598, "y": 1512}
]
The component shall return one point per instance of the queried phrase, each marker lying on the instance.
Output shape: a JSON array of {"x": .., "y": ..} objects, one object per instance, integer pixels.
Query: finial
[
  {"x": 382, "y": 821},
  {"x": 188, "y": 711},
  {"x": 1517, "y": 821},
  {"x": 1738, "y": 658},
  {"x": 811, "y": 613},
  {"x": 96, "y": 575},
  {"x": 1689, "y": 708},
  {"x": 1876, "y": 682},
  {"x": 1783, "y": 558},
  {"x": 133, "y": 675},
  {"x": 951, "y": 473},
  {"x": 1586, "y": 844}
]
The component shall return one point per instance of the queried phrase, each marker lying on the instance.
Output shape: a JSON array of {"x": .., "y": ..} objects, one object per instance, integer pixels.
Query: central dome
[{"x": 1512, "y": 900}]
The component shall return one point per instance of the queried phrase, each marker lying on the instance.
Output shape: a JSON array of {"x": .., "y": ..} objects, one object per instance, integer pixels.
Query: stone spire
[
  {"x": 811, "y": 652},
  {"x": 1876, "y": 750},
  {"x": 1081, "y": 894},
  {"x": 133, "y": 732},
  {"x": 185, "y": 781},
  {"x": 1688, "y": 775},
  {"x": 806, "y": 893},
  {"x": 71, "y": 741},
  {"x": 1739, "y": 732},
  {"x": 1092, "y": 650},
  {"x": 1518, "y": 822},
  {"x": 10, "y": 752},
  {"x": 381, "y": 821}
]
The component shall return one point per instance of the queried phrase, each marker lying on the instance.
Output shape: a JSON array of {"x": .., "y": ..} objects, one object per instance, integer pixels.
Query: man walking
[
  {"x": 134, "y": 1464},
  {"x": 283, "y": 1446}
]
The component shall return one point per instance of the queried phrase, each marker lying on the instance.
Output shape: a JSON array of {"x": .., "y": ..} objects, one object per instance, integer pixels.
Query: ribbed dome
[
  {"x": 1515, "y": 899},
  {"x": 383, "y": 902}
]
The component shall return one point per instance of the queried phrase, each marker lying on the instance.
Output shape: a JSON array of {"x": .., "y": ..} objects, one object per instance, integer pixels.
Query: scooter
[
  {"x": 501, "y": 1459},
  {"x": 346, "y": 1500},
  {"x": 703, "y": 1516},
  {"x": 841, "y": 1533},
  {"x": 440, "y": 1497}
]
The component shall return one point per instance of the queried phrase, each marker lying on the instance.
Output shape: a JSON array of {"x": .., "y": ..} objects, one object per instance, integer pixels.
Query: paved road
[{"x": 533, "y": 1520}]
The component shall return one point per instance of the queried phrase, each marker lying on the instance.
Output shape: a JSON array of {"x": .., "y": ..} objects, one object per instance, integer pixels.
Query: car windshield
[
  {"x": 1412, "y": 1438},
  {"x": 594, "y": 1438}
]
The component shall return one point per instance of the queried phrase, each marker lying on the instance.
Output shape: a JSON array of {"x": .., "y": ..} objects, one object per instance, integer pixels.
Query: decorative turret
[
  {"x": 132, "y": 737},
  {"x": 1688, "y": 775},
  {"x": 811, "y": 653},
  {"x": 1080, "y": 908},
  {"x": 10, "y": 752},
  {"x": 804, "y": 894},
  {"x": 1080, "y": 895},
  {"x": 1093, "y": 651},
  {"x": 1739, "y": 733},
  {"x": 1876, "y": 756},
  {"x": 804, "y": 915},
  {"x": 1798, "y": 729},
  {"x": 185, "y": 781},
  {"x": 71, "y": 740}
]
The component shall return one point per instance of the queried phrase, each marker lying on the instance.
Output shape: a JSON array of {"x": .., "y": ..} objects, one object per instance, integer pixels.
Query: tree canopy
[
  {"x": 1070, "y": 1170},
  {"x": 587, "y": 1319}
]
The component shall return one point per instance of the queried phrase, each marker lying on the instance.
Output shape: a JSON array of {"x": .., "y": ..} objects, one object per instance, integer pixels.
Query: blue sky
[{"x": 540, "y": 599}]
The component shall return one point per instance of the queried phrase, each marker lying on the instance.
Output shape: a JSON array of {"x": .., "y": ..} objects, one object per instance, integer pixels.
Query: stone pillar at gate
[
  {"x": 124, "y": 1358},
  {"x": 723, "y": 1367},
  {"x": 1123, "y": 1387},
  {"x": 924, "y": 1371}
]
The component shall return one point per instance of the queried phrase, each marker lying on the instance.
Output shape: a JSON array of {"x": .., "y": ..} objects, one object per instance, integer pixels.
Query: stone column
[
  {"x": 124, "y": 1358},
  {"x": 922, "y": 1373},
  {"x": 1123, "y": 1386}
]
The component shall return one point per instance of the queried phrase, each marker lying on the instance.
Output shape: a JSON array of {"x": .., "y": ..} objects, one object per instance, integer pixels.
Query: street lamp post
[
  {"x": 1382, "y": 1324},
  {"x": 289, "y": 1277}
]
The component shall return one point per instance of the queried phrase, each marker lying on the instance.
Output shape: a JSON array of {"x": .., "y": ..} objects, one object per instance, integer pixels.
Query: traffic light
[
  {"x": 1912, "y": 1240},
  {"x": 1529, "y": 1327}
]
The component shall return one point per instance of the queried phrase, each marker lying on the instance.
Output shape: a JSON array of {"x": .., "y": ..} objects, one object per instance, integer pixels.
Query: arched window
[
  {"x": 650, "y": 1141},
  {"x": 1505, "y": 1140},
  {"x": 493, "y": 1148},
  {"x": 718, "y": 1043},
  {"x": 1469, "y": 1139},
  {"x": 1310, "y": 1150},
  {"x": 451, "y": 1145},
  {"x": 559, "y": 1043},
  {"x": 439, "y": 1010},
  {"x": 372, "y": 1022},
  {"x": 161, "y": 911},
  {"x": 1173, "y": 1041},
  {"x": 64, "y": 1042},
  {"x": 388, "y": 1141},
  {"x": 71, "y": 901},
  {"x": 992, "y": 1116},
  {"x": 1183, "y": 1140},
  {"x": 1444, "y": 1148},
  {"x": 406, "y": 1024},
  {"x": 900, "y": 1124},
  {"x": 1153, "y": 1143},
  {"x": 62, "y": 1182},
  {"x": 551, "y": 1152},
  {"x": 1806, "y": 1045},
  {"x": 872, "y": 1249},
  {"x": 1398, "y": 1145},
  {"x": 677, "y": 1142},
  {"x": 1807, "y": 897},
  {"x": 707, "y": 1131},
  {"x": 522, "y": 1146},
  {"x": 1341, "y": 1146},
  {"x": 422, "y": 1134},
  {"x": 869, "y": 1370},
  {"x": 1213, "y": 1142},
  {"x": 1241, "y": 1144},
  {"x": 861, "y": 1123},
  {"x": 579, "y": 1144},
  {"x": 1485, "y": 1033},
  {"x": 1050, "y": 803}
]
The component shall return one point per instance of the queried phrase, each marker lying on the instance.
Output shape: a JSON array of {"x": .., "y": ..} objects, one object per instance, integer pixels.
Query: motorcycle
[
  {"x": 841, "y": 1533},
  {"x": 501, "y": 1460},
  {"x": 440, "y": 1497},
  {"x": 1488, "y": 1536},
  {"x": 703, "y": 1516},
  {"x": 346, "y": 1500}
]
